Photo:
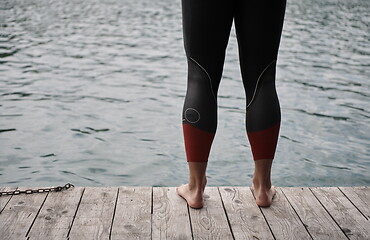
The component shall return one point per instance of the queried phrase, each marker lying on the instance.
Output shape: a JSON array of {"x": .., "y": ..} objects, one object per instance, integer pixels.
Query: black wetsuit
[{"x": 206, "y": 28}]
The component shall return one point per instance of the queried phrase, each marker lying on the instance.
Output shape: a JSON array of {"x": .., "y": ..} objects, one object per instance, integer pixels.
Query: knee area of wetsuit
[
  {"x": 200, "y": 106},
  {"x": 262, "y": 77},
  {"x": 263, "y": 108}
]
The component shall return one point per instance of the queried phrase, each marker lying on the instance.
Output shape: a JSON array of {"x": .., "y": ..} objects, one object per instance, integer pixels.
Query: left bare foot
[
  {"x": 263, "y": 196},
  {"x": 194, "y": 197}
]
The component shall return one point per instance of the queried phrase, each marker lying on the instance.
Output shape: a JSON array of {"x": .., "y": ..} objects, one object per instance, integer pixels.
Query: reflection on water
[{"x": 91, "y": 93}]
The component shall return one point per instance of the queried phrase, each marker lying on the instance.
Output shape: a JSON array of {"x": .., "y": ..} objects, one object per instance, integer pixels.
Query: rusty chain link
[{"x": 40, "y": 190}]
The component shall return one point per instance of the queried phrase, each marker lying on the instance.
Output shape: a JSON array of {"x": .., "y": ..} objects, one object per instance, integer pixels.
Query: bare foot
[
  {"x": 193, "y": 197},
  {"x": 263, "y": 197}
]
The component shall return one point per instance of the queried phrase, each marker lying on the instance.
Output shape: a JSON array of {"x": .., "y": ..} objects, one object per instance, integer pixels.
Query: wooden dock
[{"x": 159, "y": 213}]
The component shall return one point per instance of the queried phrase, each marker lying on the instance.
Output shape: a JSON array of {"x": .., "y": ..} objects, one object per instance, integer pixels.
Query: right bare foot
[{"x": 263, "y": 196}]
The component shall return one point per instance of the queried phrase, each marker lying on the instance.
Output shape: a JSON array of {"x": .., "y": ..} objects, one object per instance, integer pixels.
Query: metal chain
[{"x": 40, "y": 190}]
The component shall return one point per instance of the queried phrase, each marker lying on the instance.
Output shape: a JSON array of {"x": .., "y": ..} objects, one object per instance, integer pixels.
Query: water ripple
[{"x": 92, "y": 91}]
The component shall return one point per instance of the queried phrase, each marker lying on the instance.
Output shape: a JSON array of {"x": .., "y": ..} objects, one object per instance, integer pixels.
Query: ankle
[
  {"x": 196, "y": 184},
  {"x": 261, "y": 184},
  {"x": 195, "y": 187}
]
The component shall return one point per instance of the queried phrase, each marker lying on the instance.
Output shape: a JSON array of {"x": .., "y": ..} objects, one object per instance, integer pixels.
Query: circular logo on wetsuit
[{"x": 192, "y": 115}]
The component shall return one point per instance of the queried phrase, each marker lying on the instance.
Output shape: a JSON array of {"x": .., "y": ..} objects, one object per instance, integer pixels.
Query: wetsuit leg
[
  {"x": 258, "y": 25},
  {"x": 206, "y": 29}
]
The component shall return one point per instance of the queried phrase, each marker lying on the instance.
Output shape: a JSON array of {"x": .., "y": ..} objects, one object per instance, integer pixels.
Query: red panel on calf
[
  {"x": 263, "y": 143},
  {"x": 197, "y": 143}
]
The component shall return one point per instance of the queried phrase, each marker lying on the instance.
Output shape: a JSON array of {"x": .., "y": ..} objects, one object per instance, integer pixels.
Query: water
[{"x": 91, "y": 93}]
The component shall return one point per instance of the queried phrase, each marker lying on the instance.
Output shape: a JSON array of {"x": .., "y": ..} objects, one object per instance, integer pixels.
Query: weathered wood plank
[
  {"x": 318, "y": 222},
  {"x": 245, "y": 217},
  {"x": 326, "y": 212},
  {"x": 170, "y": 215},
  {"x": 56, "y": 215},
  {"x": 360, "y": 197},
  {"x": 350, "y": 220},
  {"x": 95, "y": 214},
  {"x": 19, "y": 214},
  {"x": 5, "y": 199},
  {"x": 132, "y": 219},
  {"x": 282, "y": 219},
  {"x": 210, "y": 222}
]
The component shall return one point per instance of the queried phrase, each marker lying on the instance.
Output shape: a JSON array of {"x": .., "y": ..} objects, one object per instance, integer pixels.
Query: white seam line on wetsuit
[
  {"x": 209, "y": 77},
  {"x": 258, "y": 80}
]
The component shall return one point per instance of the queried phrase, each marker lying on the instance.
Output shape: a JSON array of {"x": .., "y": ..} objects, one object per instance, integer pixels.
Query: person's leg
[
  {"x": 258, "y": 25},
  {"x": 206, "y": 28}
]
